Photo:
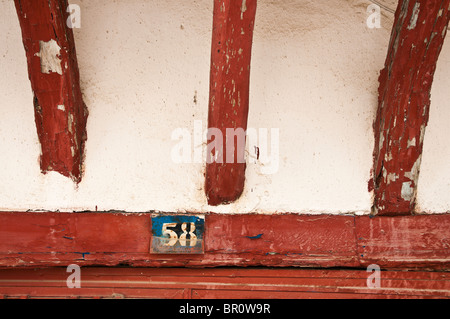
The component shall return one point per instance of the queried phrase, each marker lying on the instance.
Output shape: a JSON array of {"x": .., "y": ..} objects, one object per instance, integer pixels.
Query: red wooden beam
[
  {"x": 229, "y": 98},
  {"x": 404, "y": 102},
  {"x": 221, "y": 283},
  {"x": 404, "y": 241},
  {"x": 60, "y": 112},
  {"x": 290, "y": 240}
]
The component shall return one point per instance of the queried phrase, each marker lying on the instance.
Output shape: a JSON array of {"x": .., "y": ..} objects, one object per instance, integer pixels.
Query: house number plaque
[{"x": 177, "y": 234}]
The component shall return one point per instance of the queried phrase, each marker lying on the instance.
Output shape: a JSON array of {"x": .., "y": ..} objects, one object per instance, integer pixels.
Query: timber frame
[
  {"x": 417, "y": 37},
  {"x": 390, "y": 239},
  {"x": 229, "y": 97},
  {"x": 60, "y": 112},
  {"x": 221, "y": 283},
  {"x": 34, "y": 239}
]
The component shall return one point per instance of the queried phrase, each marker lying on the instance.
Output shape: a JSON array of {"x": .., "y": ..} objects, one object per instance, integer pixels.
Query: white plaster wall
[
  {"x": 434, "y": 181},
  {"x": 314, "y": 76}
]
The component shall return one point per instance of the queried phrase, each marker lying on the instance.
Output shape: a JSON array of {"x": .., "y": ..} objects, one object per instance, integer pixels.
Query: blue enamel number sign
[{"x": 177, "y": 234}]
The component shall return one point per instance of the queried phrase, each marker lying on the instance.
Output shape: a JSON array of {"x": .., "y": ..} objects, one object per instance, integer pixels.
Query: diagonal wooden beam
[
  {"x": 404, "y": 102},
  {"x": 60, "y": 112},
  {"x": 229, "y": 98}
]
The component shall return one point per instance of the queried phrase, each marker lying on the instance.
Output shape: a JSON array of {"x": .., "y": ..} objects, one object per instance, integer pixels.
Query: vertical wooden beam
[
  {"x": 60, "y": 112},
  {"x": 229, "y": 97},
  {"x": 404, "y": 102}
]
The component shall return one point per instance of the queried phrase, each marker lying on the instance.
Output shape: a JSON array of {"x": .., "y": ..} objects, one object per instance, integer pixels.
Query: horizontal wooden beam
[
  {"x": 60, "y": 112},
  {"x": 288, "y": 240},
  {"x": 404, "y": 102},
  {"x": 221, "y": 283},
  {"x": 229, "y": 99}
]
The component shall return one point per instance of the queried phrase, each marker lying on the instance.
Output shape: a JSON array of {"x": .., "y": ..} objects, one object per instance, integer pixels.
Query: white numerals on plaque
[{"x": 173, "y": 237}]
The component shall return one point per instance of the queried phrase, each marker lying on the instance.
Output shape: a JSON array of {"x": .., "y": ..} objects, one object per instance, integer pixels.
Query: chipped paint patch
[
  {"x": 243, "y": 9},
  {"x": 388, "y": 157},
  {"x": 49, "y": 54},
  {"x": 407, "y": 191},
  {"x": 422, "y": 133},
  {"x": 415, "y": 16},
  {"x": 414, "y": 173},
  {"x": 380, "y": 144},
  {"x": 411, "y": 143},
  {"x": 392, "y": 177},
  {"x": 70, "y": 123}
]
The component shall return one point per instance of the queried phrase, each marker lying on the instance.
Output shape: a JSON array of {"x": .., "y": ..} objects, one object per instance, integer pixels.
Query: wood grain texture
[
  {"x": 289, "y": 240},
  {"x": 409, "y": 241},
  {"x": 229, "y": 283},
  {"x": 60, "y": 112},
  {"x": 417, "y": 37},
  {"x": 229, "y": 98}
]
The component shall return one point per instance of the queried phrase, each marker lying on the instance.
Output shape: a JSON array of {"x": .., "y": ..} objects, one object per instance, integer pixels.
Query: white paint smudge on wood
[{"x": 49, "y": 54}]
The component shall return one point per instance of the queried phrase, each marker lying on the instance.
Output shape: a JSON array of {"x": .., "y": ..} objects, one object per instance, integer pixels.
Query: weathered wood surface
[
  {"x": 229, "y": 98},
  {"x": 402, "y": 242},
  {"x": 221, "y": 284},
  {"x": 290, "y": 240},
  {"x": 404, "y": 102},
  {"x": 60, "y": 112}
]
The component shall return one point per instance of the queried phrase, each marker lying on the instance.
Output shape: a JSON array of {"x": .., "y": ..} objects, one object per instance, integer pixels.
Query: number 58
[{"x": 173, "y": 237}]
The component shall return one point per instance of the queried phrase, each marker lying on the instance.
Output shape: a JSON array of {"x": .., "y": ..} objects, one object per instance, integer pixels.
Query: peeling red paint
[
  {"x": 229, "y": 92},
  {"x": 221, "y": 283},
  {"x": 60, "y": 112},
  {"x": 289, "y": 240},
  {"x": 404, "y": 103},
  {"x": 404, "y": 241}
]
